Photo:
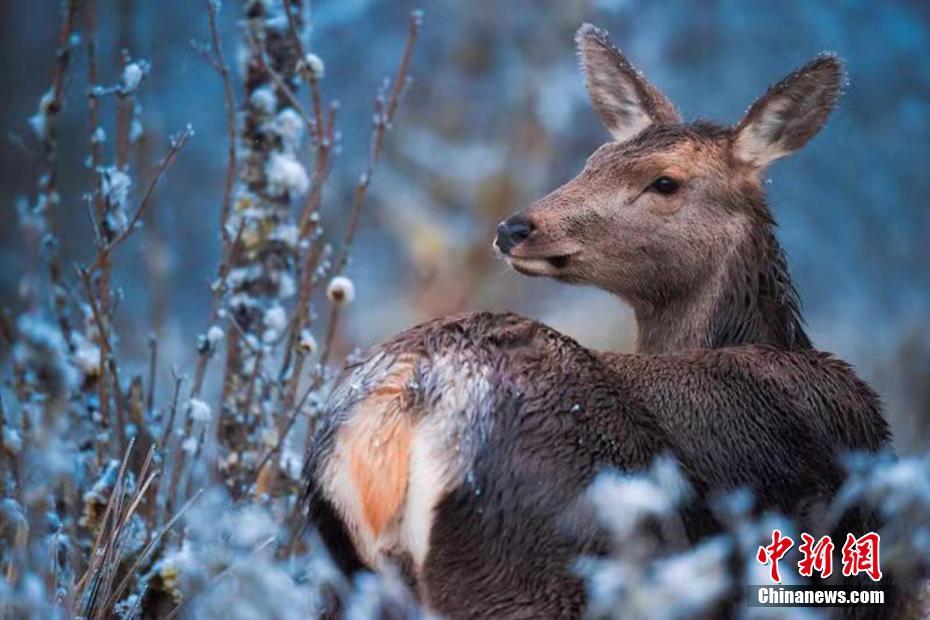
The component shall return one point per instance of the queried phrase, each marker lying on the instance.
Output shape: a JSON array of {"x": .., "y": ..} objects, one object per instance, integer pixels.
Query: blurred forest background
[{"x": 497, "y": 116}]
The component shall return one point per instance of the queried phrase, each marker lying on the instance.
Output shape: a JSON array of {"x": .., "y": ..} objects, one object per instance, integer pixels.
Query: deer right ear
[
  {"x": 625, "y": 101},
  {"x": 790, "y": 113}
]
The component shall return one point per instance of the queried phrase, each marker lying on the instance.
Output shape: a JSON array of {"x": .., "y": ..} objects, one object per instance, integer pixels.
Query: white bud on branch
[
  {"x": 199, "y": 410},
  {"x": 311, "y": 66},
  {"x": 341, "y": 290}
]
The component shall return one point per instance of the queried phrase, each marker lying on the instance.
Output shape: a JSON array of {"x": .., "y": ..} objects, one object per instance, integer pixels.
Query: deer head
[{"x": 670, "y": 216}]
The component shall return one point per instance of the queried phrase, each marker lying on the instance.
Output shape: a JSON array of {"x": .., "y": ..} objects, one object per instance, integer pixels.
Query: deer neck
[{"x": 747, "y": 299}]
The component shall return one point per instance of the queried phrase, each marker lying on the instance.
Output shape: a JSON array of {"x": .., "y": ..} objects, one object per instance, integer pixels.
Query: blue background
[{"x": 497, "y": 116}]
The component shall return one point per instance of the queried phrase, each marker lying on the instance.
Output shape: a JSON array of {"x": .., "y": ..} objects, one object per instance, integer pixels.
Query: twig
[
  {"x": 125, "y": 99},
  {"x": 103, "y": 342},
  {"x": 48, "y": 178},
  {"x": 119, "y": 404},
  {"x": 332, "y": 324},
  {"x": 98, "y": 236},
  {"x": 323, "y": 135},
  {"x": 117, "y": 541},
  {"x": 90, "y": 38},
  {"x": 98, "y": 558},
  {"x": 177, "y": 143},
  {"x": 173, "y": 409},
  {"x": 293, "y": 29},
  {"x": 164, "y": 490},
  {"x": 386, "y": 103},
  {"x": 291, "y": 419},
  {"x": 3, "y": 456},
  {"x": 300, "y": 319},
  {"x": 383, "y": 118},
  {"x": 153, "y": 364},
  {"x": 157, "y": 539},
  {"x": 218, "y": 61},
  {"x": 231, "y": 255},
  {"x": 312, "y": 256}
]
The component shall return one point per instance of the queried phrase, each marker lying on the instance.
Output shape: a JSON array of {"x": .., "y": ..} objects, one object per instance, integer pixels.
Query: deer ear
[
  {"x": 790, "y": 113},
  {"x": 625, "y": 101}
]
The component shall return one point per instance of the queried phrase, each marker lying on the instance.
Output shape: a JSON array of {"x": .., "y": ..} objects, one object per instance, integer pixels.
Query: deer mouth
[{"x": 539, "y": 266}]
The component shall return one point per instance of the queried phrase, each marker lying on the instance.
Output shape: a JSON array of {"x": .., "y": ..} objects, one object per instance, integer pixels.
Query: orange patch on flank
[{"x": 377, "y": 444}]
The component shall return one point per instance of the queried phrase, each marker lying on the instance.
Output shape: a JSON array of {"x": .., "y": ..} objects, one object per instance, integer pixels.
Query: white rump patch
[
  {"x": 444, "y": 445},
  {"x": 446, "y": 411}
]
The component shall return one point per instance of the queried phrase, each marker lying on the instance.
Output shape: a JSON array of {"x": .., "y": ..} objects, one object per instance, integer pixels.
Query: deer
[{"x": 461, "y": 449}]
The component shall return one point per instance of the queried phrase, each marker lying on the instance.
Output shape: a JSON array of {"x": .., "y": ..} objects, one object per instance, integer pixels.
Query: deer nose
[{"x": 512, "y": 231}]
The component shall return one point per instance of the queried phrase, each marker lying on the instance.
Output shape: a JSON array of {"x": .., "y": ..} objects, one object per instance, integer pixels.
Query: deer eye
[{"x": 665, "y": 186}]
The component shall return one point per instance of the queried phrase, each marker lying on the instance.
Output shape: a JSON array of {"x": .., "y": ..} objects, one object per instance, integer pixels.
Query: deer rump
[{"x": 461, "y": 451}]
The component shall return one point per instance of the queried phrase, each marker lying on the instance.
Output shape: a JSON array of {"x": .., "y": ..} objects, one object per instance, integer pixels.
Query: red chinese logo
[
  {"x": 817, "y": 557},
  {"x": 860, "y": 555},
  {"x": 774, "y": 552}
]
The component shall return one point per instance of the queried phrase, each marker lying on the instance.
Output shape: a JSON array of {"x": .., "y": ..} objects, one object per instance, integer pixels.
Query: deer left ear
[
  {"x": 626, "y": 102},
  {"x": 790, "y": 113}
]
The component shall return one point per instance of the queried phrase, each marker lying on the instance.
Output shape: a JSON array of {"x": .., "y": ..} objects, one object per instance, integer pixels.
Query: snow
[
  {"x": 12, "y": 440},
  {"x": 264, "y": 99},
  {"x": 286, "y": 175},
  {"x": 199, "y": 410},
  {"x": 341, "y": 290},
  {"x": 39, "y": 120},
  {"x": 622, "y": 501},
  {"x": 315, "y": 65},
  {"x": 115, "y": 185},
  {"x": 189, "y": 445},
  {"x": 276, "y": 319},
  {"x": 132, "y": 77},
  {"x": 135, "y": 130},
  {"x": 270, "y": 437},
  {"x": 289, "y": 234},
  {"x": 287, "y": 286},
  {"x": 214, "y": 335},
  {"x": 292, "y": 464},
  {"x": 692, "y": 580},
  {"x": 290, "y": 126},
  {"x": 42, "y": 350},
  {"x": 86, "y": 355},
  {"x": 240, "y": 275},
  {"x": 307, "y": 341},
  {"x": 100, "y": 136}
]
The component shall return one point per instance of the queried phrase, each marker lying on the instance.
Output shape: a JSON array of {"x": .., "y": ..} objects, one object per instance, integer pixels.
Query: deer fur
[{"x": 480, "y": 433}]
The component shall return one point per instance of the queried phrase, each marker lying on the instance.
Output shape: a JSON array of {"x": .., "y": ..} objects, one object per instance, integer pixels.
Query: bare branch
[
  {"x": 177, "y": 143},
  {"x": 386, "y": 102},
  {"x": 218, "y": 61},
  {"x": 153, "y": 364},
  {"x": 383, "y": 118}
]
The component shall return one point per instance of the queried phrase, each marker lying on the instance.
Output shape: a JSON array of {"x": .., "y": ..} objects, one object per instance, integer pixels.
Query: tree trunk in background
[{"x": 262, "y": 276}]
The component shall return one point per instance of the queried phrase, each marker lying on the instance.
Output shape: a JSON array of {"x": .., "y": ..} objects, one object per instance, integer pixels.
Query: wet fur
[
  {"x": 501, "y": 543},
  {"x": 461, "y": 448}
]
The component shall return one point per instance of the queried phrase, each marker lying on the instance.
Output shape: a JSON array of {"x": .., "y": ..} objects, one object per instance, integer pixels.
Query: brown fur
[
  {"x": 504, "y": 536},
  {"x": 701, "y": 267}
]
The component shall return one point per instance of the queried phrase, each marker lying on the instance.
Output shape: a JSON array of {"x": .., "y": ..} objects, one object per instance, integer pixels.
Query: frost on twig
[
  {"x": 271, "y": 176},
  {"x": 100, "y": 462}
]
